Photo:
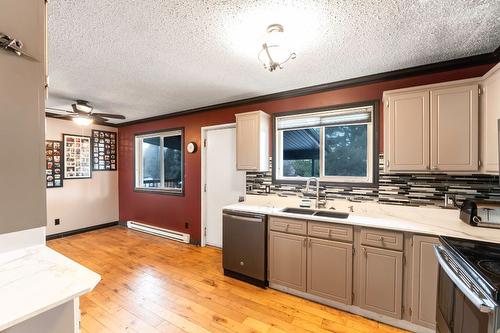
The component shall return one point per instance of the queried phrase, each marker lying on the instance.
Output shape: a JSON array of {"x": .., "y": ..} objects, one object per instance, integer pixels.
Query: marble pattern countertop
[
  {"x": 36, "y": 279},
  {"x": 421, "y": 220}
]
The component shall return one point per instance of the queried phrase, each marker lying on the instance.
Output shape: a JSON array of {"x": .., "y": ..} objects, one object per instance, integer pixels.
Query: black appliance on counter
[
  {"x": 468, "y": 287},
  {"x": 480, "y": 214},
  {"x": 244, "y": 246}
]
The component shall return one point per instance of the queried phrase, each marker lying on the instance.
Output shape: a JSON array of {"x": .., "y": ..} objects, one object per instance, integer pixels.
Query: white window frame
[
  {"x": 322, "y": 177},
  {"x": 139, "y": 140}
]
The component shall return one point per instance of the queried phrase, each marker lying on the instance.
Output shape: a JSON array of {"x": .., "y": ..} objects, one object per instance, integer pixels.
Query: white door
[{"x": 224, "y": 184}]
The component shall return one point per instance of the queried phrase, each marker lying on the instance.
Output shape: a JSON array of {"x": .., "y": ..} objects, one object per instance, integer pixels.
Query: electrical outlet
[
  {"x": 186, "y": 225},
  {"x": 57, "y": 221}
]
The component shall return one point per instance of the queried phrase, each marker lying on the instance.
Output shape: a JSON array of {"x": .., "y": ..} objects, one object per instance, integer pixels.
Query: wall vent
[{"x": 165, "y": 233}]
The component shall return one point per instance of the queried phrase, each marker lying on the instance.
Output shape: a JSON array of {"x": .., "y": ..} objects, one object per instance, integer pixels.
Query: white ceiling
[{"x": 150, "y": 57}]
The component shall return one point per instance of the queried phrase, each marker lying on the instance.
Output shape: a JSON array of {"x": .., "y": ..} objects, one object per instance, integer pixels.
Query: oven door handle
[{"x": 482, "y": 304}]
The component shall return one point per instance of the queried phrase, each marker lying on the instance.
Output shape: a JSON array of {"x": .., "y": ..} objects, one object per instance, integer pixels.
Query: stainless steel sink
[
  {"x": 319, "y": 213},
  {"x": 337, "y": 215},
  {"x": 302, "y": 211}
]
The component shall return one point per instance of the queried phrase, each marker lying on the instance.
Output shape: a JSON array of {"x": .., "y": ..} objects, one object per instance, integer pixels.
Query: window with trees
[
  {"x": 159, "y": 161},
  {"x": 333, "y": 145}
]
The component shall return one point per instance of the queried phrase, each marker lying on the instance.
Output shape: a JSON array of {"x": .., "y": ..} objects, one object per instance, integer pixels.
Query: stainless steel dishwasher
[{"x": 244, "y": 247}]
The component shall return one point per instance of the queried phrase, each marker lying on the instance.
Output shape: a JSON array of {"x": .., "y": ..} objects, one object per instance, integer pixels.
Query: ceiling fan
[{"x": 83, "y": 113}]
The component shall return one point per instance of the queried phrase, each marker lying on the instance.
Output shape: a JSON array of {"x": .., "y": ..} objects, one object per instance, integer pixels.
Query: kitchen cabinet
[
  {"x": 288, "y": 260},
  {"x": 424, "y": 282},
  {"x": 454, "y": 128},
  {"x": 432, "y": 128},
  {"x": 252, "y": 141},
  {"x": 407, "y": 132},
  {"x": 329, "y": 269},
  {"x": 490, "y": 113},
  {"x": 381, "y": 281}
]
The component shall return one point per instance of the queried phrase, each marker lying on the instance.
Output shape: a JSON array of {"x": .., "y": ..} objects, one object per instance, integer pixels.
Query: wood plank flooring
[{"x": 150, "y": 284}]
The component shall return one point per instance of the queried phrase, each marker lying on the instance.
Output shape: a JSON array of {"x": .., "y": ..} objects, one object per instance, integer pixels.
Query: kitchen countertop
[
  {"x": 422, "y": 220},
  {"x": 36, "y": 279}
]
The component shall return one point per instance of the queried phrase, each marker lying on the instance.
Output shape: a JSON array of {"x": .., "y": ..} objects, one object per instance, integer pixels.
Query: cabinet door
[
  {"x": 407, "y": 128},
  {"x": 247, "y": 141},
  {"x": 454, "y": 129},
  {"x": 381, "y": 281},
  {"x": 287, "y": 260},
  {"x": 490, "y": 113},
  {"x": 424, "y": 282},
  {"x": 329, "y": 270}
]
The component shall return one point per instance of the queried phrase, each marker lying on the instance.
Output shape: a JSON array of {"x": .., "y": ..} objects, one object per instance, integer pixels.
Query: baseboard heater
[{"x": 165, "y": 233}]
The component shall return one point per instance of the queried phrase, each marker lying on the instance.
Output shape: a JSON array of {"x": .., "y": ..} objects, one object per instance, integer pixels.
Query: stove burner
[{"x": 491, "y": 266}]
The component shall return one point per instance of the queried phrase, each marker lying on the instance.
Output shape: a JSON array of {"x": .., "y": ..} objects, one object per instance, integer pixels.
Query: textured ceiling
[{"x": 143, "y": 58}]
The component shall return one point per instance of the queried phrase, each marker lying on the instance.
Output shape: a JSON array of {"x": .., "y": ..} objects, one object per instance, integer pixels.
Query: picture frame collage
[
  {"x": 76, "y": 156},
  {"x": 104, "y": 152},
  {"x": 53, "y": 163}
]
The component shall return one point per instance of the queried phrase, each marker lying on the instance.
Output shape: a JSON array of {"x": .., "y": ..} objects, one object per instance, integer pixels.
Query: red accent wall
[{"x": 173, "y": 212}]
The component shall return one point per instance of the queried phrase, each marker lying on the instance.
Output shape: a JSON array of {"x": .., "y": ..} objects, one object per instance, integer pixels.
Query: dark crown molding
[{"x": 482, "y": 59}]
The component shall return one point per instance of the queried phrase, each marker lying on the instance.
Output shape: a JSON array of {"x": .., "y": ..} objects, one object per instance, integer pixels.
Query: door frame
[{"x": 203, "y": 150}]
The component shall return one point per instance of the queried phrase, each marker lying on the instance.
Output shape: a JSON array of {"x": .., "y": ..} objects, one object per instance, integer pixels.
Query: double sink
[{"x": 319, "y": 213}]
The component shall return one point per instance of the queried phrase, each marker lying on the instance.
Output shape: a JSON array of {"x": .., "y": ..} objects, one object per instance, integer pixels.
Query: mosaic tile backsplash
[{"x": 398, "y": 189}]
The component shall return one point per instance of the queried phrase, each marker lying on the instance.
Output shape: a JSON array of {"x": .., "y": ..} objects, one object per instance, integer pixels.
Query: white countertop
[
  {"x": 36, "y": 279},
  {"x": 421, "y": 220}
]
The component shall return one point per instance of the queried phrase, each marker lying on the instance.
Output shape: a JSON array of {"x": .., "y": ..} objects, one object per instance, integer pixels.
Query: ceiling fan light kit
[
  {"x": 83, "y": 121},
  {"x": 275, "y": 53}
]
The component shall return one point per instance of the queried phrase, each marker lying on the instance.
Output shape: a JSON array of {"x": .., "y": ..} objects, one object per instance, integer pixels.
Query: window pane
[
  {"x": 301, "y": 153},
  {"x": 346, "y": 150},
  {"x": 172, "y": 157},
  {"x": 151, "y": 162}
]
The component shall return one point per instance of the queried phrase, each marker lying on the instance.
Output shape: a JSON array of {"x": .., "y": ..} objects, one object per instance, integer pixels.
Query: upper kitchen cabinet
[
  {"x": 490, "y": 113},
  {"x": 454, "y": 128},
  {"x": 432, "y": 128},
  {"x": 407, "y": 127},
  {"x": 252, "y": 141}
]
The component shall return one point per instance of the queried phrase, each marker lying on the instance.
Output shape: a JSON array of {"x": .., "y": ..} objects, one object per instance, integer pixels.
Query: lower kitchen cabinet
[
  {"x": 288, "y": 260},
  {"x": 329, "y": 270},
  {"x": 381, "y": 281},
  {"x": 424, "y": 281}
]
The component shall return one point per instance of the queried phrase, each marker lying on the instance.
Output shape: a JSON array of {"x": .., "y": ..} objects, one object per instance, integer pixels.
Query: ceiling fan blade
[
  {"x": 108, "y": 115},
  {"x": 69, "y": 112},
  {"x": 99, "y": 120}
]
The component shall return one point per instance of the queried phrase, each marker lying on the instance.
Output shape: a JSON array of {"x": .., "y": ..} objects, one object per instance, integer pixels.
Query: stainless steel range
[{"x": 469, "y": 286}]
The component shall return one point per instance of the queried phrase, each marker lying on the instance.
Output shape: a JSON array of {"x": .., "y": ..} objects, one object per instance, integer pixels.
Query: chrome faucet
[{"x": 319, "y": 203}]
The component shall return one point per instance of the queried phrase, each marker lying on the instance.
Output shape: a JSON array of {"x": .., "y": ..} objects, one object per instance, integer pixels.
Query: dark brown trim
[
  {"x": 482, "y": 59},
  {"x": 81, "y": 230},
  {"x": 375, "y": 148},
  {"x": 164, "y": 192}
]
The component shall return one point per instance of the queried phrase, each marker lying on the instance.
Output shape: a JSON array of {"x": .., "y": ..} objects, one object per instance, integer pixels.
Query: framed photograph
[
  {"x": 77, "y": 158},
  {"x": 53, "y": 164},
  {"x": 104, "y": 150}
]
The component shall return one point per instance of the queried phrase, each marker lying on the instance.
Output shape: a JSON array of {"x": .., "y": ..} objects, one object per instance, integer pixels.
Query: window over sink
[
  {"x": 336, "y": 145},
  {"x": 159, "y": 162}
]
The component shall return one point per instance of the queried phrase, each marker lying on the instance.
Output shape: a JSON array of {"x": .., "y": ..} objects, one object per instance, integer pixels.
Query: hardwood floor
[{"x": 150, "y": 284}]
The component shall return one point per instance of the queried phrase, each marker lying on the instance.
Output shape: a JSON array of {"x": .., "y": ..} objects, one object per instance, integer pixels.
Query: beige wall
[
  {"x": 22, "y": 91},
  {"x": 81, "y": 203}
]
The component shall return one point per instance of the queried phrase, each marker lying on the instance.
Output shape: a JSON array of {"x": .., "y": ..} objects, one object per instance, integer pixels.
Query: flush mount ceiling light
[{"x": 274, "y": 51}]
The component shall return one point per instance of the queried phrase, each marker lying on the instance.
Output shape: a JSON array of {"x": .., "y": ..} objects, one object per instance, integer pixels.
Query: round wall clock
[{"x": 192, "y": 147}]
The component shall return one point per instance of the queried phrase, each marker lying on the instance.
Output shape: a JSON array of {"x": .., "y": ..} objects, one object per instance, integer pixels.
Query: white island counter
[{"x": 39, "y": 290}]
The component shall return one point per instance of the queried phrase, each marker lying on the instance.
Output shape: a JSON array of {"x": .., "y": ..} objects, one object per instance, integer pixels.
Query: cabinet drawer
[
  {"x": 288, "y": 225},
  {"x": 386, "y": 239},
  {"x": 330, "y": 231}
]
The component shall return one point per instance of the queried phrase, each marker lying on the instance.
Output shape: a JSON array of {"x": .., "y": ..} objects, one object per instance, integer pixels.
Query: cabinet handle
[
  {"x": 434, "y": 168},
  {"x": 381, "y": 239},
  {"x": 305, "y": 242},
  {"x": 364, "y": 251},
  {"x": 310, "y": 242},
  {"x": 286, "y": 228}
]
